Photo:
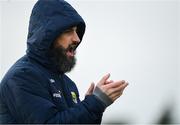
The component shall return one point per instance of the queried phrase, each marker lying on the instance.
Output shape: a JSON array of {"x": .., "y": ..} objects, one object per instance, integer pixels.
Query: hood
[{"x": 49, "y": 18}]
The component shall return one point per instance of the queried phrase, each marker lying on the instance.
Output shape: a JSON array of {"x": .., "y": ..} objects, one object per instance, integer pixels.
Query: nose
[{"x": 75, "y": 38}]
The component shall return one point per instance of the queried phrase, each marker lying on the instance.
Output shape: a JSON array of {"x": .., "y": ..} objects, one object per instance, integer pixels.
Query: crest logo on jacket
[{"x": 74, "y": 97}]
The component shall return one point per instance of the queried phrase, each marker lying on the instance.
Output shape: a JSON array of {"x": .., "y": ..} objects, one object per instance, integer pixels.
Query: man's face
[{"x": 63, "y": 50}]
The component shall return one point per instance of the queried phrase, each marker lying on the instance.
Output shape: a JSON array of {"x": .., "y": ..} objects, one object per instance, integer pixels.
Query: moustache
[{"x": 72, "y": 47}]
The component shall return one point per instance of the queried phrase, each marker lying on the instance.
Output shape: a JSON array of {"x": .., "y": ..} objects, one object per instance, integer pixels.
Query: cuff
[{"x": 102, "y": 96}]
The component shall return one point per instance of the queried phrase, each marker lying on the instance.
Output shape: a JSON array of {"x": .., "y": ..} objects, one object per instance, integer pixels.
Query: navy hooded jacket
[{"x": 32, "y": 91}]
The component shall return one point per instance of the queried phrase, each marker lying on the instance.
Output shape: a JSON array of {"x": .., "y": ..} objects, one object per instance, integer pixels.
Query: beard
[{"x": 62, "y": 62}]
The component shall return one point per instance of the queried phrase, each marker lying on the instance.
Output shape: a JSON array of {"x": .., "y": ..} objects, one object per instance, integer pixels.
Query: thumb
[
  {"x": 103, "y": 80},
  {"x": 91, "y": 89}
]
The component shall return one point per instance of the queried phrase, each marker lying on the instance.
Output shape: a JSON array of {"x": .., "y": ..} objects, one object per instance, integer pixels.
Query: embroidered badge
[{"x": 74, "y": 97}]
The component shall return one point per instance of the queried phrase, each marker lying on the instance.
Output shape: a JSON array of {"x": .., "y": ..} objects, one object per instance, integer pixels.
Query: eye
[{"x": 68, "y": 31}]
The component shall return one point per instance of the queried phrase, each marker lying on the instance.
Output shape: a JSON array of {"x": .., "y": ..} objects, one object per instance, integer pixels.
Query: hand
[
  {"x": 112, "y": 89},
  {"x": 90, "y": 90}
]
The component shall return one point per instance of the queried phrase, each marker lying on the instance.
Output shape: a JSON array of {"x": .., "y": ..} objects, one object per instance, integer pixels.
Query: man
[{"x": 36, "y": 89}]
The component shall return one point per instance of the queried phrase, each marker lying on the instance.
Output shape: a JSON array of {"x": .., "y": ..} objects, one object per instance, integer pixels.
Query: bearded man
[{"x": 36, "y": 88}]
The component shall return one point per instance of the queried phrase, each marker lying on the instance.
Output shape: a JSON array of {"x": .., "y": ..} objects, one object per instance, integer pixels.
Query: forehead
[
  {"x": 70, "y": 29},
  {"x": 73, "y": 28},
  {"x": 63, "y": 34}
]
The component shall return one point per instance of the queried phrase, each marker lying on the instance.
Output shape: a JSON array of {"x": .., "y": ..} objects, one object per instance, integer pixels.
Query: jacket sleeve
[{"x": 29, "y": 101}]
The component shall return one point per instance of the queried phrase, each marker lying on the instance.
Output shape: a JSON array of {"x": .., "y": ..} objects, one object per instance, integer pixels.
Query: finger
[
  {"x": 108, "y": 82},
  {"x": 90, "y": 90},
  {"x": 116, "y": 97},
  {"x": 115, "y": 84},
  {"x": 125, "y": 87},
  {"x": 104, "y": 79},
  {"x": 117, "y": 94},
  {"x": 120, "y": 88}
]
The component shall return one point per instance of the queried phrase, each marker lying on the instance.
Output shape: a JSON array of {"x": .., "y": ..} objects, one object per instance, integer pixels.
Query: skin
[
  {"x": 68, "y": 37},
  {"x": 113, "y": 89}
]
